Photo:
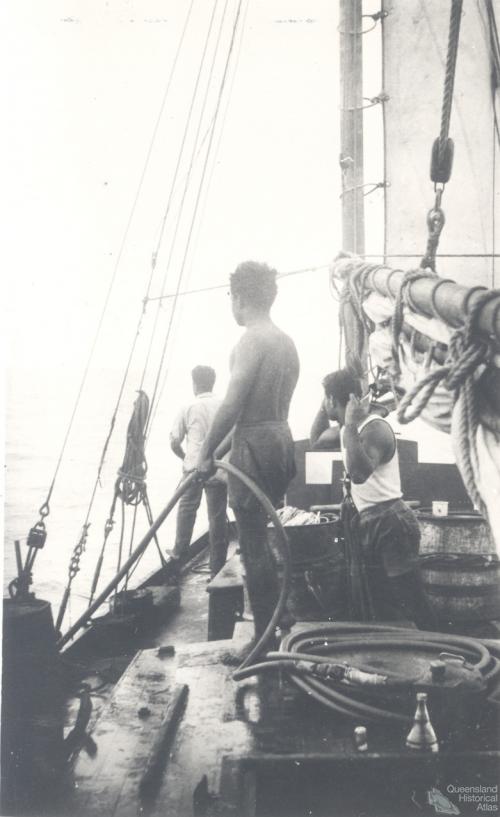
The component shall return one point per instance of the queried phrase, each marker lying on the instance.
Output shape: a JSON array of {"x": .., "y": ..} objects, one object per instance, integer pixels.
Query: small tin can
[{"x": 360, "y": 739}]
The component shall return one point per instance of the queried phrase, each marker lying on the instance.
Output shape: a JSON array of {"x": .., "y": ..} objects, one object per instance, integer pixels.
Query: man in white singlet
[{"x": 387, "y": 529}]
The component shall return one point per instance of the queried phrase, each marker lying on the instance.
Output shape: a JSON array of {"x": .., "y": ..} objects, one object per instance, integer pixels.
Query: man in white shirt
[
  {"x": 387, "y": 530},
  {"x": 191, "y": 428}
]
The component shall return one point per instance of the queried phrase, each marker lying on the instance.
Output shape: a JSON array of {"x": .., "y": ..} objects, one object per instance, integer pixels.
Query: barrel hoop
[
  {"x": 462, "y": 590},
  {"x": 458, "y": 561}
]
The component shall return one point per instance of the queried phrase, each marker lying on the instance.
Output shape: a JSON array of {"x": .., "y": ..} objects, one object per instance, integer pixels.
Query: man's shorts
[{"x": 265, "y": 453}]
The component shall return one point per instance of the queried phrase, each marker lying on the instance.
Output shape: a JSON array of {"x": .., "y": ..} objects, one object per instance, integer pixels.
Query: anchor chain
[{"x": 73, "y": 569}]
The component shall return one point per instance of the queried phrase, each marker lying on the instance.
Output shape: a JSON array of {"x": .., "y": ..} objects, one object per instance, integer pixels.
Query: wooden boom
[{"x": 433, "y": 297}]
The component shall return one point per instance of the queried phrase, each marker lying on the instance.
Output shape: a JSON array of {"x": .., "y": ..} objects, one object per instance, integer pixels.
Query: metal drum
[{"x": 319, "y": 589}]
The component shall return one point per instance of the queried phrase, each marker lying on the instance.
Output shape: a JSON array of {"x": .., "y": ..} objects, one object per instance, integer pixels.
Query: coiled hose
[
  {"x": 325, "y": 641},
  {"x": 301, "y": 652}
]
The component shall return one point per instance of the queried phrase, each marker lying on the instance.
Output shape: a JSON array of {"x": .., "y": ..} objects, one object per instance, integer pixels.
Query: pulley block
[
  {"x": 37, "y": 536},
  {"x": 442, "y": 162}
]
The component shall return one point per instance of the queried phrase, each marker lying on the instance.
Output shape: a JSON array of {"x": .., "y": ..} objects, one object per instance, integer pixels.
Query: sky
[
  {"x": 97, "y": 107},
  {"x": 94, "y": 106},
  {"x": 85, "y": 83}
]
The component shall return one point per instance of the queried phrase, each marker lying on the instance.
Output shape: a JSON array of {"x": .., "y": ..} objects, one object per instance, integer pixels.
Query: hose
[
  {"x": 318, "y": 645},
  {"x": 267, "y": 506}
]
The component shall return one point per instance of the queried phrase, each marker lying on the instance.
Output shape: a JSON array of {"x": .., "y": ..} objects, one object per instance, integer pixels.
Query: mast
[{"x": 351, "y": 125}]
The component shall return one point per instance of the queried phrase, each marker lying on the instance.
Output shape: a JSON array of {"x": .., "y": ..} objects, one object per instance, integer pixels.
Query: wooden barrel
[
  {"x": 462, "y": 587},
  {"x": 456, "y": 533},
  {"x": 32, "y": 716},
  {"x": 318, "y": 588}
]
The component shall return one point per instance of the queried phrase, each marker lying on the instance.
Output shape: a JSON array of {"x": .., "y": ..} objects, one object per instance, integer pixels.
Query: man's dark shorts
[
  {"x": 389, "y": 536},
  {"x": 265, "y": 453}
]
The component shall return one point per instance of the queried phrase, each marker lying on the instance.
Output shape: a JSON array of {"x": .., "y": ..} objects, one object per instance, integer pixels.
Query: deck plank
[{"x": 125, "y": 733}]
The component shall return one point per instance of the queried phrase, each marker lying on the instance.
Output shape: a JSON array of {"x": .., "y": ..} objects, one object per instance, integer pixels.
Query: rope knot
[{"x": 463, "y": 359}]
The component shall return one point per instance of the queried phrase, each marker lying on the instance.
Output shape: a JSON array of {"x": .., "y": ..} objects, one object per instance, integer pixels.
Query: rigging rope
[
  {"x": 130, "y": 491},
  {"x": 80, "y": 546},
  {"x": 132, "y": 473},
  {"x": 174, "y": 180},
  {"x": 225, "y": 285},
  {"x": 442, "y": 150},
  {"x": 449, "y": 82},
  {"x": 466, "y": 353},
  {"x": 188, "y": 480},
  {"x": 398, "y": 316},
  {"x": 130, "y": 486},
  {"x": 180, "y": 213},
  {"x": 196, "y": 204},
  {"x": 45, "y": 508},
  {"x": 207, "y": 189}
]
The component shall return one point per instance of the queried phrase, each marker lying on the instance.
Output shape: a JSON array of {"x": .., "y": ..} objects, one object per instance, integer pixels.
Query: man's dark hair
[
  {"x": 255, "y": 283},
  {"x": 341, "y": 384},
  {"x": 203, "y": 377}
]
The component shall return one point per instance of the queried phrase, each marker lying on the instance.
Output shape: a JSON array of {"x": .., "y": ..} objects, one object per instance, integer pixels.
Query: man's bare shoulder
[
  {"x": 260, "y": 340},
  {"x": 379, "y": 434},
  {"x": 251, "y": 344}
]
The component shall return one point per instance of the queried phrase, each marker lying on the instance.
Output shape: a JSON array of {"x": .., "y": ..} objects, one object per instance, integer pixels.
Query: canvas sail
[{"x": 415, "y": 38}]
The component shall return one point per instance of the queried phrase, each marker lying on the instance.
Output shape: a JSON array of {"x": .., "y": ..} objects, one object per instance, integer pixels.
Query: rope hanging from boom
[{"x": 442, "y": 149}]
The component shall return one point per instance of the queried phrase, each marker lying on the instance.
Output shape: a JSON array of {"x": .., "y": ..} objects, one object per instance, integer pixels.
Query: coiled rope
[
  {"x": 398, "y": 315},
  {"x": 466, "y": 353},
  {"x": 131, "y": 483}
]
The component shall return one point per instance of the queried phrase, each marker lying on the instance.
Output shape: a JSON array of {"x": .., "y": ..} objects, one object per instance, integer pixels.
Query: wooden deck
[
  {"x": 208, "y": 746},
  {"x": 225, "y": 602}
]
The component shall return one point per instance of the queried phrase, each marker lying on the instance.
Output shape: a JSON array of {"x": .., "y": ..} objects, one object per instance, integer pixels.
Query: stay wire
[
  {"x": 188, "y": 175},
  {"x": 213, "y": 287},
  {"x": 196, "y": 205},
  {"x": 141, "y": 316},
  {"x": 155, "y": 254},
  {"x": 210, "y": 179},
  {"x": 117, "y": 264}
]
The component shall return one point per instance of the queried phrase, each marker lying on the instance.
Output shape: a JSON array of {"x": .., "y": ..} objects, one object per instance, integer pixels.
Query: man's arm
[
  {"x": 177, "y": 448},
  {"x": 224, "y": 446},
  {"x": 245, "y": 364},
  {"x": 320, "y": 424},
  {"x": 177, "y": 435},
  {"x": 368, "y": 449},
  {"x": 322, "y": 437}
]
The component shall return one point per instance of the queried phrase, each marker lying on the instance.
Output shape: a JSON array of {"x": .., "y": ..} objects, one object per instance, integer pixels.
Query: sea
[{"x": 38, "y": 409}]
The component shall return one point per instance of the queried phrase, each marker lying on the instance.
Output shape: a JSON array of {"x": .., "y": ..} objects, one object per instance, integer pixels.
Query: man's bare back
[
  {"x": 264, "y": 372},
  {"x": 275, "y": 372}
]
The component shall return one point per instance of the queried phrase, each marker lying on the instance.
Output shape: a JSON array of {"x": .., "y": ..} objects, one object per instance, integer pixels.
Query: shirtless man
[{"x": 264, "y": 372}]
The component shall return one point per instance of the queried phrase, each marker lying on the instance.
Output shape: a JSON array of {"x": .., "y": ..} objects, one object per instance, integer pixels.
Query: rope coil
[{"x": 466, "y": 354}]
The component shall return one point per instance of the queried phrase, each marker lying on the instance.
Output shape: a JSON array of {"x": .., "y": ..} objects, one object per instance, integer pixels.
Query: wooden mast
[{"x": 351, "y": 125}]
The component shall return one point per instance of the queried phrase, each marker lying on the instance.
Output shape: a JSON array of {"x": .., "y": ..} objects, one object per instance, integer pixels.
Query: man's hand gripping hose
[{"x": 258, "y": 648}]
